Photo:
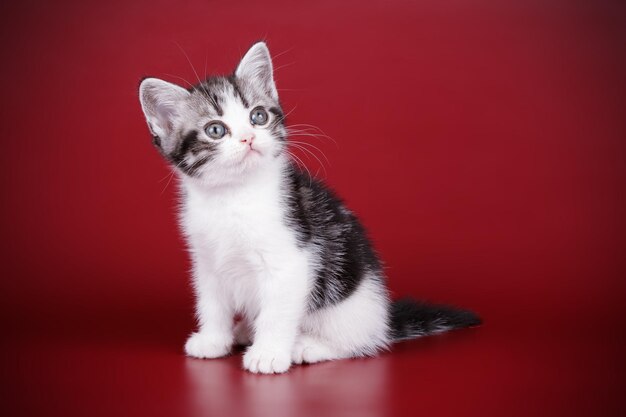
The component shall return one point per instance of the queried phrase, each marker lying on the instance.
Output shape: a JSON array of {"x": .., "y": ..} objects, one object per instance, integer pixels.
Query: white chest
[{"x": 234, "y": 229}]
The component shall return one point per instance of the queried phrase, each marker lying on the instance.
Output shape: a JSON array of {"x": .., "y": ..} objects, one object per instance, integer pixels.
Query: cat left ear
[
  {"x": 161, "y": 103},
  {"x": 256, "y": 68}
]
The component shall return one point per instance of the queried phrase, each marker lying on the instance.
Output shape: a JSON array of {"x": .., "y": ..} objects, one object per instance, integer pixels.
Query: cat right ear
[
  {"x": 161, "y": 102},
  {"x": 256, "y": 67}
]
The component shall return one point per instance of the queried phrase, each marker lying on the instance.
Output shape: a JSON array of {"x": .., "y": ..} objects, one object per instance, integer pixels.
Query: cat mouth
[
  {"x": 252, "y": 151},
  {"x": 251, "y": 155}
]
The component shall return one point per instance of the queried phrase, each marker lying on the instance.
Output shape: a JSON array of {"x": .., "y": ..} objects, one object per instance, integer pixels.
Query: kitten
[{"x": 268, "y": 242}]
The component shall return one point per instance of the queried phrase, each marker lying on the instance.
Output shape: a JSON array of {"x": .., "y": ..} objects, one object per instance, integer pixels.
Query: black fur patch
[
  {"x": 208, "y": 88},
  {"x": 156, "y": 141},
  {"x": 189, "y": 144},
  {"x": 325, "y": 226},
  {"x": 233, "y": 81},
  {"x": 277, "y": 124}
]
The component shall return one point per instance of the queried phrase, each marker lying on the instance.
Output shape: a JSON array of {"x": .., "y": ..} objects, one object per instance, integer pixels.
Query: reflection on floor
[{"x": 481, "y": 371}]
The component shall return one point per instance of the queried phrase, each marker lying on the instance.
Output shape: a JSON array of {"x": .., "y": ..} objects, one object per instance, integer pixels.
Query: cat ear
[
  {"x": 256, "y": 68},
  {"x": 161, "y": 102}
]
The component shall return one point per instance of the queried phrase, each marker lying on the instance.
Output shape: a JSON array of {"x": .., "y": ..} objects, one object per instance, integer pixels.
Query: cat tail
[{"x": 411, "y": 319}]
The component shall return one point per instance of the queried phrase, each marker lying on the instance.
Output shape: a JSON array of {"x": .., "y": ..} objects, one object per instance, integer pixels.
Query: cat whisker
[
  {"x": 284, "y": 65},
  {"x": 170, "y": 179},
  {"x": 171, "y": 175},
  {"x": 289, "y": 112},
  {"x": 307, "y": 129},
  {"x": 308, "y": 134},
  {"x": 196, "y": 74},
  {"x": 180, "y": 78},
  {"x": 189, "y": 61},
  {"x": 166, "y": 176},
  {"x": 309, "y": 126},
  {"x": 282, "y": 53},
  {"x": 312, "y": 146},
  {"x": 205, "y": 59},
  {"x": 308, "y": 152},
  {"x": 301, "y": 164},
  {"x": 168, "y": 182}
]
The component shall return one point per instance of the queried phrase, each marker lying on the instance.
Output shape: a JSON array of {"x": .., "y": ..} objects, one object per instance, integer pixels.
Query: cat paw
[
  {"x": 266, "y": 361},
  {"x": 309, "y": 350},
  {"x": 206, "y": 346}
]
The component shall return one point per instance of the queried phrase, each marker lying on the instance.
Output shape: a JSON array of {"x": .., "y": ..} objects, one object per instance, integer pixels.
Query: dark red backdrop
[{"x": 482, "y": 143}]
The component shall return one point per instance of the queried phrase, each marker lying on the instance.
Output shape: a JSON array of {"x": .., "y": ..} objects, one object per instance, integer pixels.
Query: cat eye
[
  {"x": 215, "y": 130},
  {"x": 258, "y": 116}
]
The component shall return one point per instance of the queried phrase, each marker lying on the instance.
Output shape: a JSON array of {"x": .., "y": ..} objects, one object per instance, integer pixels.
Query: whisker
[
  {"x": 168, "y": 182},
  {"x": 180, "y": 78},
  {"x": 189, "y": 61},
  {"x": 311, "y": 145},
  {"x": 196, "y": 74},
  {"x": 308, "y": 125},
  {"x": 306, "y": 131},
  {"x": 313, "y": 135},
  {"x": 302, "y": 165},
  {"x": 307, "y": 128},
  {"x": 308, "y": 152},
  {"x": 282, "y": 53},
  {"x": 289, "y": 112},
  {"x": 171, "y": 176},
  {"x": 284, "y": 66},
  {"x": 307, "y": 144}
]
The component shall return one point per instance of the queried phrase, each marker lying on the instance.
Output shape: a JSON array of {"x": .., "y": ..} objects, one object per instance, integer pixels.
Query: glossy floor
[{"x": 474, "y": 372}]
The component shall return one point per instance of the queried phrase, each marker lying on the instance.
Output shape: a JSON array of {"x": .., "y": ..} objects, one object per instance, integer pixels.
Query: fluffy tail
[{"x": 410, "y": 319}]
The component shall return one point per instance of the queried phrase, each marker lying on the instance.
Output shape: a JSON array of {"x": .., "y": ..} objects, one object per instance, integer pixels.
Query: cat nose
[{"x": 247, "y": 138}]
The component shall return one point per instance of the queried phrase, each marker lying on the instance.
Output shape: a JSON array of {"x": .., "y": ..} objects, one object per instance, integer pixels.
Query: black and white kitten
[{"x": 267, "y": 242}]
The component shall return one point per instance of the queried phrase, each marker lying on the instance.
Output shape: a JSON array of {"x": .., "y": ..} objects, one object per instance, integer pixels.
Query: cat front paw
[
  {"x": 266, "y": 360},
  {"x": 206, "y": 346},
  {"x": 310, "y": 350}
]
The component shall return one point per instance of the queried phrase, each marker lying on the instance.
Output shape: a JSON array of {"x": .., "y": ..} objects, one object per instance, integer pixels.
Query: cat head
[{"x": 223, "y": 128}]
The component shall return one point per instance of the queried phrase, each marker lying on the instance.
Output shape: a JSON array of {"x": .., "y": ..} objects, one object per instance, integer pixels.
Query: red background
[{"x": 481, "y": 142}]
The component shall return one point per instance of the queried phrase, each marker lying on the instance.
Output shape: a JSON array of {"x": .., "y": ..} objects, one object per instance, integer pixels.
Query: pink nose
[{"x": 247, "y": 138}]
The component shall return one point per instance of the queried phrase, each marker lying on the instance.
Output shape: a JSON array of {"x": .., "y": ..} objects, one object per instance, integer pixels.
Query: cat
[{"x": 269, "y": 243}]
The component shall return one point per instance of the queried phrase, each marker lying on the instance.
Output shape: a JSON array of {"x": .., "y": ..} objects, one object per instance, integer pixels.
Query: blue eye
[
  {"x": 258, "y": 116},
  {"x": 215, "y": 130}
]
